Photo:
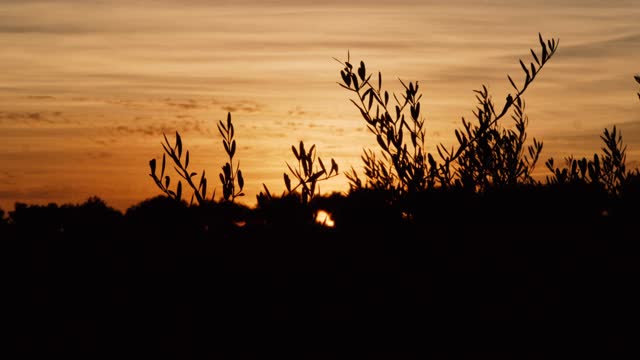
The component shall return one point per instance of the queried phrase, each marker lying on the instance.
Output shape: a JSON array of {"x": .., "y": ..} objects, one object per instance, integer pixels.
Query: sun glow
[{"x": 324, "y": 218}]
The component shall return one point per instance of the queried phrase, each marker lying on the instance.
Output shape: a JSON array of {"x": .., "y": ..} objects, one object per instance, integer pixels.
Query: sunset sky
[{"x": 87, "y": 88}]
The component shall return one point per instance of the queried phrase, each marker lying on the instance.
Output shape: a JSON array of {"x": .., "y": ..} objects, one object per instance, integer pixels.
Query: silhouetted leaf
[
  {"x": 287, "y": 182},
  {"x": 381, "y": 142},
  {"x": 321, "y": 165},
  {"x": 203, "y": 192},
  {"x": 178, "y": 144},
  {"x": 233, "y": 148},
  {"x": 526, "y": 70},
  {"x": 179, "y": 191},
  {"x": 544, "y": 49},
  {"x": 163, "y": 165},
  {"x": 240, "y": 180},
  {"x": 152, "y": 165},
  {"x": 535, "y": 57},
  {"x": 362, "y": 71},
  {"x": 226, "y": 147},
  {"x": 167, "y": 181},
  {"x": 186, "y": 161},
  {"x": 346, "y": 78},
  {"x": 316, "y": 176}
]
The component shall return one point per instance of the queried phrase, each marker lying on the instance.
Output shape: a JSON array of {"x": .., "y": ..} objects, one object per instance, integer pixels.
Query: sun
[{"x": 324, "y": 218}]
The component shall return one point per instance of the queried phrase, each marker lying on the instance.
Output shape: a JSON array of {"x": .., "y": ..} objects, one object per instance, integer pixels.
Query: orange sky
[{"x": 88, "y": 87}]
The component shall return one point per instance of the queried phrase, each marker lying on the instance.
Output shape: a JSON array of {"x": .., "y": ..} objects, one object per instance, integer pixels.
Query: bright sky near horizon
[{"x": 87, "y": 88}]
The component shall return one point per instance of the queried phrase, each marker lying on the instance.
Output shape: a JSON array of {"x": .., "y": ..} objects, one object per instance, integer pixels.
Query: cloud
[
  {"x": 298, "y": 111},
  {"x": 158, "y": 129},
  {"x": 32, "y": 118},
  {"x": 6, "y": 178},
  {"x": 622, "y": 45},
  {"x": 189, "y": 104},
  {"x": 39, "y": 193},
  {"x": 247, "y": 106},
  {"x": 181, "y": 104},
  {"x": 40, "y": 97},
  {"x": 97, "y": 155}
]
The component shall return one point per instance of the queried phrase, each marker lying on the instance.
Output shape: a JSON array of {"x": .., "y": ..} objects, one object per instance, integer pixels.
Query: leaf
[
  {"x": 544, "y": 49},
  {"x": 167, "y": 181},
  {"x": 313, "y": 147},
  {"x": 535, "y": 57},
  {"x": 526, "y": 70},
  {"x": 370, "y": 99},
  {"x": 178, "y": 144},
  {"x": 240, "y": 180},
  {"x": 186, "y": 161},
  {"x": 179, "y": 191},
  {"x": 233, "y": 148},
  {"x": 287, "y": 182},
  {"x": 355, "y": 82},
  {"x": 152, "y": 165},
  {"x": 316, "y": 176},
  {"x": 163, "y": 165},
  {"x": 346, "y": 78},
  {"x": 229, "y": 120},
  {"x": 266, "y": 190},
  {"x": 362, "y": 71},
  {"x": 295, "y": 152},
  {"x": 381, "y": 142},
  {"x": 203, "y": 192},
  {"x": 226, "y": 147},
  {"x": 334, "y": 166},
  {"x": 415, "y": 111}
]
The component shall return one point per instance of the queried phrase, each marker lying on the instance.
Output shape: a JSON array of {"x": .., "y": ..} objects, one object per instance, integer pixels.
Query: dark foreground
[{"x": 514, "y": 274}]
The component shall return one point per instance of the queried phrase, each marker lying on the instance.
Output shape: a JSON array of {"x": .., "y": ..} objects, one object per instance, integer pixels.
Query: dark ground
[{"x": 512, "y": 274}]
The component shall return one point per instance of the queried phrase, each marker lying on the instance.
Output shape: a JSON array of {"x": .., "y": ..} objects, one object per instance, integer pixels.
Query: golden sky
[{"x": 88, "y": 87}]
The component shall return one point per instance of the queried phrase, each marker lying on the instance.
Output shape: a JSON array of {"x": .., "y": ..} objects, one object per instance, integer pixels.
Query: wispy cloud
[
  {"x": 183, "y": 126},
  {"x": 8, "y": 118},
  {"x": 246, "y": 106}
]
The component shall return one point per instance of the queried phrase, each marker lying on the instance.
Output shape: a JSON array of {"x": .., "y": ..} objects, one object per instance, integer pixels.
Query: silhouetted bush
[{"x": 487, "y": 155}]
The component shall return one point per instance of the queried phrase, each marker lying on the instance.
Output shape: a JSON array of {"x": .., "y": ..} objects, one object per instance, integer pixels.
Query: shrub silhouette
[
  {"x": 607, "y": 171},
  {"x": 486, "y": 154},
  {"x": 307, "y": 174},
  {"x": 229, "y": 176}
]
